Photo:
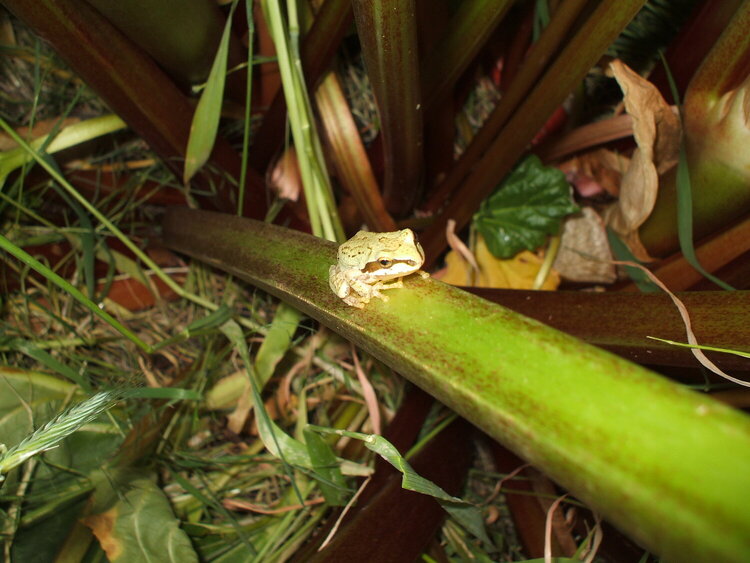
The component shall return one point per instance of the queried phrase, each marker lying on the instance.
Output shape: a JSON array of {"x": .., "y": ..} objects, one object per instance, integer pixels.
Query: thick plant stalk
[
  {"x": 621, "y": 321},
  {"x": 668, "y": 466},
  {"x": 474, "y": 21},
  {"x": 387, "y": 31},
  {"x": 717, "y": 137}
]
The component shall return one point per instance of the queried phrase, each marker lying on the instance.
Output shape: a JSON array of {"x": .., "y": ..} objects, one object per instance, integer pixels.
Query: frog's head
[{"x": 393, "y": 255}]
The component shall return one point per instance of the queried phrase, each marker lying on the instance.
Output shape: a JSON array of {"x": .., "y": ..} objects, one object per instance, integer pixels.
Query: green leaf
[
  {"x": 140, "y": 524},
  {"x": 466, "y": 514},
  {"x": 33, "y": 351},
  {"x": 277, "y": 442},
  {"x": 207, "y": 113},
  {"x": 327, "y": 472},
  {"x": 527, "y": 207},
  {"x": 277, "y": 341}
]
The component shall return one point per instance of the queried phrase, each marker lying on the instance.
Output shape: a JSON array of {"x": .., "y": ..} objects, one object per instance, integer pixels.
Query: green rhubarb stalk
[{"x": 667, "y": 465}]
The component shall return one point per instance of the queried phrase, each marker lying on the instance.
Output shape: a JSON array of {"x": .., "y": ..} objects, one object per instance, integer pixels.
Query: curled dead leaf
[
  {"x": 596, "y": 171},
  {"x": 656, "y": 129},
  {"x": 284, "y": 177}
]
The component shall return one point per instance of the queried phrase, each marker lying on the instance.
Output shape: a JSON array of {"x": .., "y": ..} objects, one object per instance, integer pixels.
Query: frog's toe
[{"x": 354, "y": 302}]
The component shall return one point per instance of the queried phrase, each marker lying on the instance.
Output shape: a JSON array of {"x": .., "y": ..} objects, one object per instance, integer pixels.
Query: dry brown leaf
[
  {"x": 656, "y": 129},
  {"x": 594, "y": 171},
  {"x": 368, "y": 394},
  {"x": 584, "y": 254},
  {"x": 103, "y": 525},
  {"x": 548, "y": 523},
  {"x": 238, "y": 417},
  {"x": 284, "y": 177}
]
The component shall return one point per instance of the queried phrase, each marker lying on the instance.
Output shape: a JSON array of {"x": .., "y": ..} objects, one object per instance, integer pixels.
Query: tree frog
[{"x": 368, "y": 260}]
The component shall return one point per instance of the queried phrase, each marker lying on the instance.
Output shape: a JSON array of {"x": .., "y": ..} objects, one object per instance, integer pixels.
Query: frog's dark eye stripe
[{"x": 385, "y": 263}]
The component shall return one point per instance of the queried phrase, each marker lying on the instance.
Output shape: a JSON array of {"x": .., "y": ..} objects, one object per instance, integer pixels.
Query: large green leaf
[
  {"x": 527, "y": 207},
  {"x": 137, "y": 523}
]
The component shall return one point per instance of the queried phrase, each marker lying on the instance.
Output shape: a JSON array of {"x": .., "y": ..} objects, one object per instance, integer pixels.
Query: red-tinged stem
[
  {"x": 621, "y": 321},
  {"x": 474, "y": 21},
  {"x": 696, "y": 38},
  {"x": 387, "y": 32}
]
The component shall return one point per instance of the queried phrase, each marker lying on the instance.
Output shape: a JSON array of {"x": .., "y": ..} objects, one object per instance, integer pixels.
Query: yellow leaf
[{"x": 517, "y": 273}]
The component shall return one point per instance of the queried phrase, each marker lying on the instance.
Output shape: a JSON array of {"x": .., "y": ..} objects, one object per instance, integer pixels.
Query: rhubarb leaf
[{"x": 528, "y": 206}]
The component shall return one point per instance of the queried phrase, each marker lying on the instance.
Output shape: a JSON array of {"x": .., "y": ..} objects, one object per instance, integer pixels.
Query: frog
[{"x": 369, "y": 263}]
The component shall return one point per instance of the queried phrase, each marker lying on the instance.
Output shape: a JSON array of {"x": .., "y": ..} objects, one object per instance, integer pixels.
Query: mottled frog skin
[{"x": 368, "y": 260}]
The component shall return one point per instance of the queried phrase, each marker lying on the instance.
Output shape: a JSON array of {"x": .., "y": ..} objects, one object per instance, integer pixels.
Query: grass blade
[
  {"x": 63, "y": 284},
  {"x": 685, "y": 220},
  {"x": 205, "y": 122},
  {"x": 685, "y": 201},
  {"x": 318, "y": 194},
  {"x": 33, "y": 351}
]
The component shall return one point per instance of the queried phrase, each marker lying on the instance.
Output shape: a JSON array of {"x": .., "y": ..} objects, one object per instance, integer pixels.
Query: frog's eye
[{"x": 385, "y": 263}]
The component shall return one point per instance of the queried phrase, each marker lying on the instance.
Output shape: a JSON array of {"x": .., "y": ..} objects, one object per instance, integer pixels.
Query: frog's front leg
[
  {"x": 382, "y": 286},
  {"x": 338, "y": 282},
  {"x": 362, "y": 291}
]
